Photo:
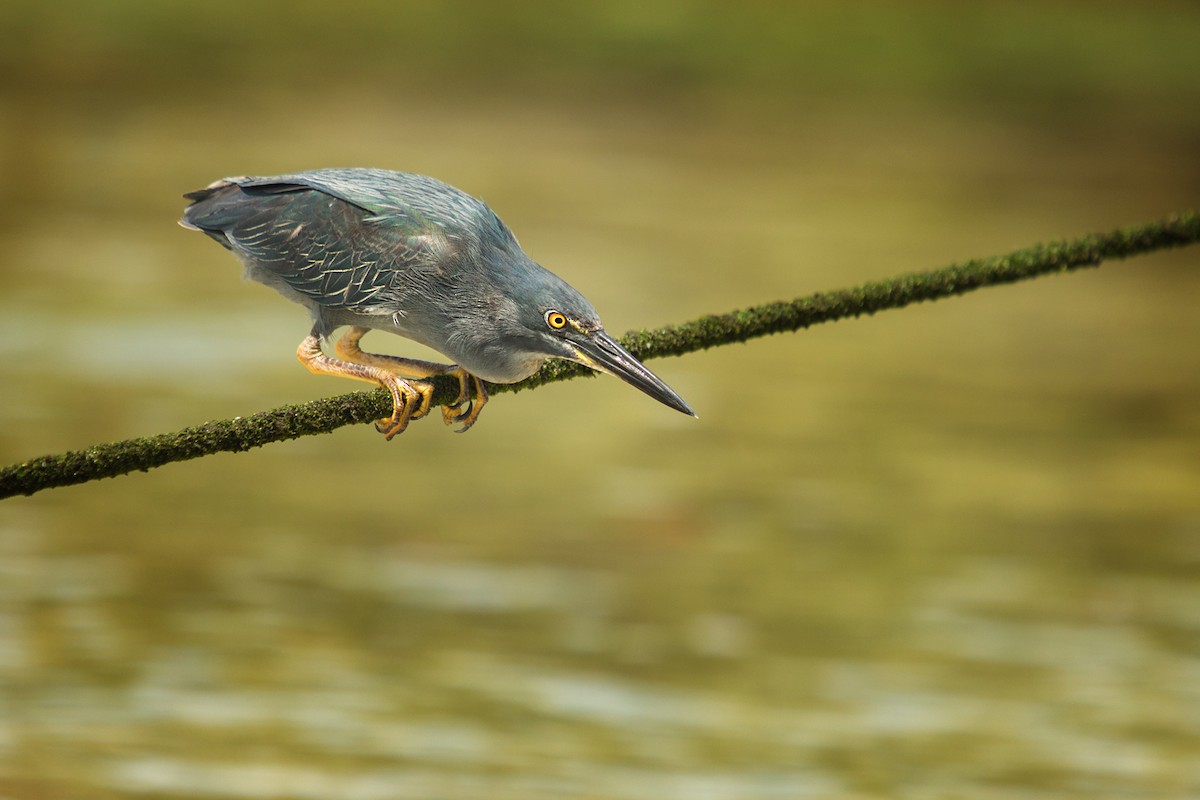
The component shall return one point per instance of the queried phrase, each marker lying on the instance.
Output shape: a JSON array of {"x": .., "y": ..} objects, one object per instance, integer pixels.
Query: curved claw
[
  {"x": 410, "y": 400},
  {"x": 470, "y": 401}
]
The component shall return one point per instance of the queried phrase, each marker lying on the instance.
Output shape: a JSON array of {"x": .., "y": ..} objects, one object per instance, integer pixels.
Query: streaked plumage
[{"x": 405, "y": 253}]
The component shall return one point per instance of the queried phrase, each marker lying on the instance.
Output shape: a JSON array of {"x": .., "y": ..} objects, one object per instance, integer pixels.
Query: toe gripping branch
[{"x": 411, "y": 397}]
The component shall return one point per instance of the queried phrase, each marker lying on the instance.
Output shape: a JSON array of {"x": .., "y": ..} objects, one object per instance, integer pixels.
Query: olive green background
[{"x": 946, "y": 551}]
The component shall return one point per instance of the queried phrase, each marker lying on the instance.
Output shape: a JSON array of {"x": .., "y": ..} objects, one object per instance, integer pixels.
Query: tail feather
[{"x": 212, "y": 210}]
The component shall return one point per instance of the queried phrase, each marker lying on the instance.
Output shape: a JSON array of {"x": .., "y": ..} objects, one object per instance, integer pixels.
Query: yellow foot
[
  {"x": 471, "y": 399},
  {"x": 410, "y": 400},
  {"x": 407, "y": 392}
]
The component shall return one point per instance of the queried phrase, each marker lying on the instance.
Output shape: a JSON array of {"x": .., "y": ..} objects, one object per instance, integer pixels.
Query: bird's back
[
  {"x": 403, "y": 198},
  {"x": 393, "y": 251},
  {"x": 353, "y": 240}
]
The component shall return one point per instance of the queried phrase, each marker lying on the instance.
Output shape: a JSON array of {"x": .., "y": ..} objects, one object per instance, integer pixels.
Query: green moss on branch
[{"x": 324, "y": 416}]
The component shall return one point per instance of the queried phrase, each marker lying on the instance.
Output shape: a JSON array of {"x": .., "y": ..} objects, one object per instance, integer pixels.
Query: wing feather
[{"x": 341, "y": 243}]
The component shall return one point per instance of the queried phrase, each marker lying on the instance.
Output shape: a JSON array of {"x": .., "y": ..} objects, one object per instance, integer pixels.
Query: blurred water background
[{"x": 947, "y": 551}]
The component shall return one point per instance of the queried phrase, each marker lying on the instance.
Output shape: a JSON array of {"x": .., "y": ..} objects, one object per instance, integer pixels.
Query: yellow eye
[{"x": 556, "y": 320}]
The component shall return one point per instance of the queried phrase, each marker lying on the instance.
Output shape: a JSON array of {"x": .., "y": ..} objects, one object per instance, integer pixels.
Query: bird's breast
[
  {"x": 477, "y": 347},
  {"x": 495, "y": 360}
]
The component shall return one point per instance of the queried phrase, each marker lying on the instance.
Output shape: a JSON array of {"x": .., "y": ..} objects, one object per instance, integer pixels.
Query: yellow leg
[
  {"x": 410, "y": 399},
  {"x": 471, "y": 394},
  {"x": 474, "y": 400}
]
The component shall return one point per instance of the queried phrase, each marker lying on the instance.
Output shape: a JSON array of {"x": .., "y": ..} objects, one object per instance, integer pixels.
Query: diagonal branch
[{"x": 323, "y": 416}]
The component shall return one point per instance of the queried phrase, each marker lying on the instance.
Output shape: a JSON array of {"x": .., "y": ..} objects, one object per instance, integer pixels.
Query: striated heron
[{"x": 379, "y": 250}]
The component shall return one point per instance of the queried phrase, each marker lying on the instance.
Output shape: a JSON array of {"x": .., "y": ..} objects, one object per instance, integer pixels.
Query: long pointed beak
[{"x": 600, "y": 351}]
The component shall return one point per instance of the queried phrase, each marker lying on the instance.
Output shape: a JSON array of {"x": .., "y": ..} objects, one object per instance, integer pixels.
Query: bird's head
[{"x": 558, "y": 322}]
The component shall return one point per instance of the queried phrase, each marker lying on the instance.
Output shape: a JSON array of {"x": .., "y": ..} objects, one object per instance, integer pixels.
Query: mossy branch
[{"x": 323, "y": 416}]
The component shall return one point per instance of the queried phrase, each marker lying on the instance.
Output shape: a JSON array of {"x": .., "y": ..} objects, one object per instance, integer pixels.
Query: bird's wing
[
  {"x": 405, "y": 196},
  {"x": 329, "y": 246},
  {"x": 418, "y": 205}
]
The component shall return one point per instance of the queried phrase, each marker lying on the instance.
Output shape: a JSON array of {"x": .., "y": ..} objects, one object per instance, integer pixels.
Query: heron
[{"x": 373, "y": 249}]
